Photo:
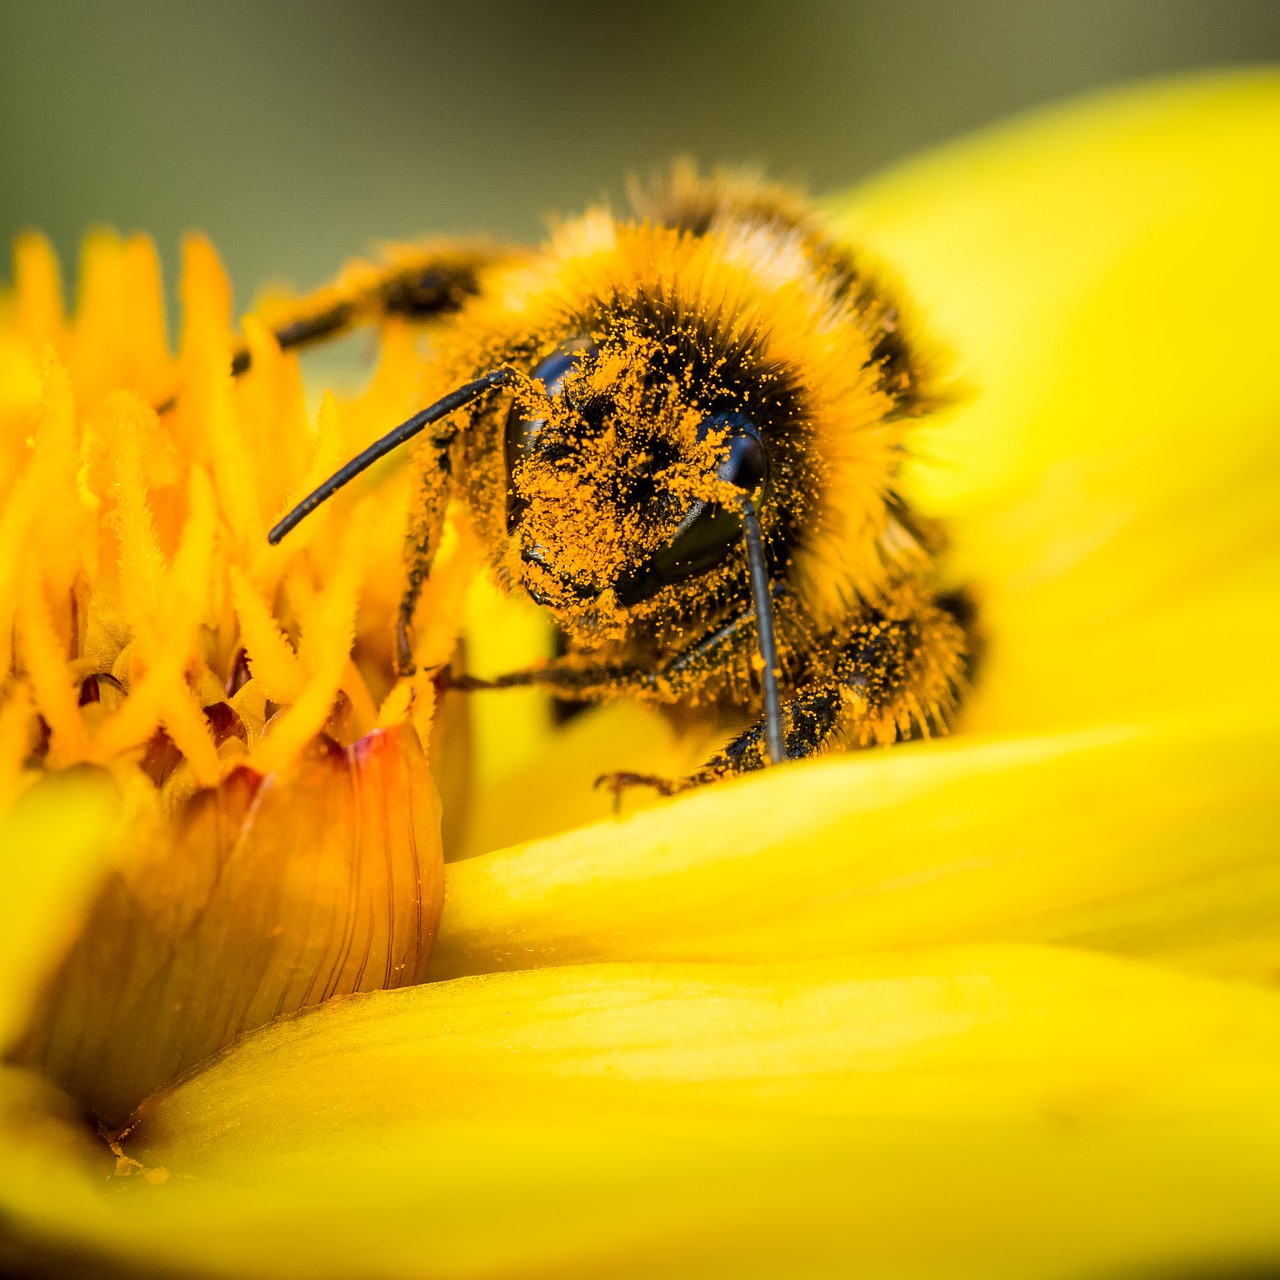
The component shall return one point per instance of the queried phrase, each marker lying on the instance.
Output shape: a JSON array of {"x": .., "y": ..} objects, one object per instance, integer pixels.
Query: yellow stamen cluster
[
  {"x": 279, "y": 838},
  {"x": 145, "y": 623}
]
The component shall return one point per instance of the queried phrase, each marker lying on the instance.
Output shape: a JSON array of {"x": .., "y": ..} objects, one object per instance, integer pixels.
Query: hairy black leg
[
  {"x": 672, "y": 679},
  {"x": 808, "y": 719},
  {"x": 885, "y": 676},
  {"x": 428, "y": 285},
  {"x": 423, "y": 538},
  {"x": 808, "y": 722}
]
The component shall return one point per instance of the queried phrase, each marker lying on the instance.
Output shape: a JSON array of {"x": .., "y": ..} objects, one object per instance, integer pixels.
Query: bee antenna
[
  {"x": 392, "y": 440},
  {"x": 762, "y": 600}
]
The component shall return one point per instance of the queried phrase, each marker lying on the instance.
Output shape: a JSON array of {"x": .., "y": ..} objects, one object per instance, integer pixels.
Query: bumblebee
[{"x": 680, "y": 434}]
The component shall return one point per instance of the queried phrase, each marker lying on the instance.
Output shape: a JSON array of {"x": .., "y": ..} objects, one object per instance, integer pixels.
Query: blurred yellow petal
[
  {"x": 323, "y": 653},
  {"x": 555, "y": 791},
  {"x": 55, "y": 842},
  {"x": 52, "y": 1170},
  {"x": 142, "y": 563},
  {"x": 38, "y": 289},
  {"x": 269, "y": 560},
  {"x": 16, "y": 737},
  {"x": 1131, "y": 839},
  {"x": 48, "y": 674},
  {"x": 973, "y": 1112},
  {"x": 1106, "y": 277}
]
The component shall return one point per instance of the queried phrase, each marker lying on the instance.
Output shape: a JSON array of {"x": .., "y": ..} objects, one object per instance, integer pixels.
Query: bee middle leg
[
  {"x": 680, "y": 675},
  {"x": 669, "y": 681}
]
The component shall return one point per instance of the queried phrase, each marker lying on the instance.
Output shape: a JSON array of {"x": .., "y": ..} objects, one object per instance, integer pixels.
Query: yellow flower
[
  {"x": 278, "y": 841},
  {"x": 1002, "y": 1004}
]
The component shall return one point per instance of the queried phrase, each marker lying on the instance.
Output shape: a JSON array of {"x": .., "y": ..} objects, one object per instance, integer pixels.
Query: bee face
[{"x": 624, "y": 482}]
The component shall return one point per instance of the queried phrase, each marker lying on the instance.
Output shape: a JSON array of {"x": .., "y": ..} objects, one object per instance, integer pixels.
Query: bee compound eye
[
  {"x": 708, "y": 531},
  {"x": 747, "y": 464},
  {"x": 700, "y": 543},
  {"x": 746, "y": 461},
  {"x": 551, "y": 371},
  {"x": 522, "y": 433}
]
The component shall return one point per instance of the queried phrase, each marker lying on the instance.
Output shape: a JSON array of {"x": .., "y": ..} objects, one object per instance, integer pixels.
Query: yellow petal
[
  {"x": 269, "y": 896},
  {"x": 270, "y": 655},
  {"x": 1128, "y": 838},
  {"x": 323, "y": 654},
  {"x": 16, "y": 735},
  {"x": 37, "y": 281},
  {"x": 506, "y": 634},
  {"x": 142, "y": 563},
  {"x": 976, "y": 1112},
  {"x": 1106, "y": 276},
  {"x": 53, "y": 847},
  {"x": 555, "y": 791},
  {"x": 52, "y": 1169}
]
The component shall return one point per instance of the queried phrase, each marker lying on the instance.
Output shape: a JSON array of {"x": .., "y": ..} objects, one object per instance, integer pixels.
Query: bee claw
[
  {"x": 463, "y": 682},
  {"x": 404, "y": 663},
  {"x": 618, "y": 782}
]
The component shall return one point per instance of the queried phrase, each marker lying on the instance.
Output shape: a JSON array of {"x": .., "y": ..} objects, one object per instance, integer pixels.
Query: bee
[{"x": 680, "y": 433}]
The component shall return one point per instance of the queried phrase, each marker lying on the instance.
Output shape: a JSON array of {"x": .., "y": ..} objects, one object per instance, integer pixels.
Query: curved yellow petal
[
  {"x": 1106, "y": 276},
  {"x": 54, "y": 843},
  {"x": 270, "y": 656},
  {"x": 52, "y": 1170},
  {"x": 555, "y": 790},
  {"x": 974, "y": 1112},
  {"x": 1157, "y": 840}
]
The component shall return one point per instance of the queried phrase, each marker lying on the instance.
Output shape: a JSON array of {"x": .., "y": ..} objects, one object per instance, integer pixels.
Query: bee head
[{"x": 621, "y": 483}]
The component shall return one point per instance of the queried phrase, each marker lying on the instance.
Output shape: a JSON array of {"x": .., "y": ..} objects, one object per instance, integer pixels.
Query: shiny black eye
[
  {"x": 704, "y": 536},
  {"x": 747, "y": 465},
  {"x": 699, "y": 544},
  {"x": 522, "y": 432}
]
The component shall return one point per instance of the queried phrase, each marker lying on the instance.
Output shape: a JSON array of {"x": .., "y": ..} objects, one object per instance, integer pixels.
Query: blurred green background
[{"x": 297, "y": 133}]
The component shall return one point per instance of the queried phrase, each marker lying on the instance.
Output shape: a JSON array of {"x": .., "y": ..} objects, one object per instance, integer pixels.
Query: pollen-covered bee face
[{"x": 621, "y": 483}]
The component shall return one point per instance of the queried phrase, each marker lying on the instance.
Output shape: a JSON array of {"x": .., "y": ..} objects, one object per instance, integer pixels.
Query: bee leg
[
  {"x": 890, "y": 679},
  {"x": 405, "y": 665},
  {"x": 426, "y": 522},
  {"x": 421, "y": 284},
  {"x": 809, "y": 720},
  {"x": 681, "y": 674},
  {"x": 575, "y": 683},
  {"x": 620, "y": 781}
]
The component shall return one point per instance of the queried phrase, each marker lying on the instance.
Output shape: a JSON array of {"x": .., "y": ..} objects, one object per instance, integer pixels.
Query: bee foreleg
[
  {"x": 809, "y": 721},
  {"x": 433, "y": 466}
]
